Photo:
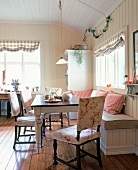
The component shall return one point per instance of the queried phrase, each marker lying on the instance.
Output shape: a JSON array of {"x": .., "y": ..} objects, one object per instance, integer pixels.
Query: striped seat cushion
[
  {"x": 25, "y": 121},
  {"x": 120, "y": 121}
]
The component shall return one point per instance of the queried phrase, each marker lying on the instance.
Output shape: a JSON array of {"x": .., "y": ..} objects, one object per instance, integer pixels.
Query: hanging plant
[
  {"x": 108, "y": 19},
  {"x": 79, "y": 56},
  {"x": 93, "y": 31}
]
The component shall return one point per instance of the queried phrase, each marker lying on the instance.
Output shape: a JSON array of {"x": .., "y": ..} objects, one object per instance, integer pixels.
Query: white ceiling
[{"x": 76, "y": 14}]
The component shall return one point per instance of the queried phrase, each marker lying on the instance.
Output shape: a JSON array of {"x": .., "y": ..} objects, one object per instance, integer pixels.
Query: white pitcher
[{"x": 66, "y": 96}]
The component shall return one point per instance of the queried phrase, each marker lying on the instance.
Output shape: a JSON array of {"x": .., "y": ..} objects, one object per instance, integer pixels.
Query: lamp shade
[{"x": 61, "y": 61}]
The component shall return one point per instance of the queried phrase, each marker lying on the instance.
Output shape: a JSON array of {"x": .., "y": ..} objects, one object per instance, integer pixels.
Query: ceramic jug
[{"x": 66, "y": 96}]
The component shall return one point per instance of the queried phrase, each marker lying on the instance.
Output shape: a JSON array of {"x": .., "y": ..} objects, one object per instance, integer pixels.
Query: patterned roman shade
[
  {"x": 12, "y": 46},
  {"x": 110, "y": 45}
]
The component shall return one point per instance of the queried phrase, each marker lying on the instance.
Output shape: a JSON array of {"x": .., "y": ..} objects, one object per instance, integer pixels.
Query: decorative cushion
[
  {"x": 114, "y": 102},
  {"x": 96, "y": 93},
  {"x": 82, "y": 94},
  {"x": 93, "y": 94},
  {"x": 69, "y": 135}
]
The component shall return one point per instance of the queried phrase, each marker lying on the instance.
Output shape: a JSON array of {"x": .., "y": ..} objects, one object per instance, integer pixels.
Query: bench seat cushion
[{"x": 120, "y": 121}]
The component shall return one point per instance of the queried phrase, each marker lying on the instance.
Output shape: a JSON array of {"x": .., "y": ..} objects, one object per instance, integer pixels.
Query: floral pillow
[
  {"x": 114, "y": 102},
  {"x": 98, "y": 93}
]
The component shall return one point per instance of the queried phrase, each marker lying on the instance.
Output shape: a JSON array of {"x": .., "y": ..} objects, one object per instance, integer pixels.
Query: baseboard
[
  {"x": 118, "y": 150},
  {"x": 136, "y": 150}
]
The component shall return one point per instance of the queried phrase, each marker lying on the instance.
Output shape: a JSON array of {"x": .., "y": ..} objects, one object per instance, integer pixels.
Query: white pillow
[{"x": 93, "y": 94}]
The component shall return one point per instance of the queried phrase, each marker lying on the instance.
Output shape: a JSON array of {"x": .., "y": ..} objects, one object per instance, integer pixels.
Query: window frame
[
  {"x": 23, "y": 66},
  {"x": 125, "y": 31}
]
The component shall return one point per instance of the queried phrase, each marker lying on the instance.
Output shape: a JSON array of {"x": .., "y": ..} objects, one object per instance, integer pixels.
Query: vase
[
  {"x": 84, "y": 46},
  {"x": 66, "y": 96}
]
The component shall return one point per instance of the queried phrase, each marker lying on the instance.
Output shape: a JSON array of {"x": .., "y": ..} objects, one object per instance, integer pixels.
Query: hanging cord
[
  {"x": 49, "y": 24},
  {"x": 60, "y": 7}
]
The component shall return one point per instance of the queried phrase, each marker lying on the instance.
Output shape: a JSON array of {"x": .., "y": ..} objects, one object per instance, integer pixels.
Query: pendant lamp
[{"x": 61, "y": 60}]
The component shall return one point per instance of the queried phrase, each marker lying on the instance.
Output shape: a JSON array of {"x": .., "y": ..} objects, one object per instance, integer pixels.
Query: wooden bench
[{"x": 119, "y": 134}]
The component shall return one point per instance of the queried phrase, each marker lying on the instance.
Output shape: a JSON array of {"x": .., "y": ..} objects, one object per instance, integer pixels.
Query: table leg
[
  {"x": 8, "y": 109},
  {"x": 0, "y": 108},
  {"x": 37, "y": 127},
  {"x": 68, "y": 118}
]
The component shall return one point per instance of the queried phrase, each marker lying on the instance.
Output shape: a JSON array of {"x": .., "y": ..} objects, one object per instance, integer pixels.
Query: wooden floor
[{"x": 26, "y": 158}]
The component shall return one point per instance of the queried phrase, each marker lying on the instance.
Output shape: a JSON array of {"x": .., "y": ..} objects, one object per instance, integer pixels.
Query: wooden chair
[
  {"x": 26, "y": 98},
  {"x": 28, "y": 111},
  {"x": 47, "y": 118},
  {"x": 87, "y": 130},
  {"x": 20, "y": 121}
]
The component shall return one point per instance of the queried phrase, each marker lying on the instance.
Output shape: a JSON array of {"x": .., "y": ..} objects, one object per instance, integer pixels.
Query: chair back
[
  {"x": 26, "y": 98},
  {"x": 57, "y": 91},
  {"x": 90, "y": 112},
  {"x": 15, "y": 107}
]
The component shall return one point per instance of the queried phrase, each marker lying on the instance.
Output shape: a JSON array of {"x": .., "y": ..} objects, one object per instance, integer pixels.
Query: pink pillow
[
  {"x": 114, "y": 102},
  {"x": 99, "y": 93},
  {"x": 81, "y": 94}
]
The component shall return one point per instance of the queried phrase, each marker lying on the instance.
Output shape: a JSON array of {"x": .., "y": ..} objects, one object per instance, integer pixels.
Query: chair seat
[
  {"x": 69, "y": 135},
  {"x": 25, "y": 121}
]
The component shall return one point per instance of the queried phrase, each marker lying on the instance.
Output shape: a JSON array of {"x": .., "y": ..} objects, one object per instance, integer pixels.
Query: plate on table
[{"x": 53, "y": 101}]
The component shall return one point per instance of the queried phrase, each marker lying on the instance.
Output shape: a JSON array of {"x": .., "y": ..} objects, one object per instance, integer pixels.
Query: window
[
  {"x": 110, "y": 68},
  {"x": 24, "y": 66}
]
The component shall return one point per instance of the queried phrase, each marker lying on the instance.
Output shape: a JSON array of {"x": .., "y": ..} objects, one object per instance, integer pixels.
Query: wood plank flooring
[{"x": 26, "y": 158}]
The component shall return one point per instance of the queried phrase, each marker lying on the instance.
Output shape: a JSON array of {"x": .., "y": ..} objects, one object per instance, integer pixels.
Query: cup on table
[{"x": 47, "y": 97}]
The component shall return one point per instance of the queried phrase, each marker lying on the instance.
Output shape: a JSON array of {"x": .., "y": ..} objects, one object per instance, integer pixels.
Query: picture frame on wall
[{"x": 135, "y": 51}]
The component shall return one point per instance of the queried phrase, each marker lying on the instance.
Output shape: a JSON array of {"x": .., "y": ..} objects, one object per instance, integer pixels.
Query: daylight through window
[
  {"x": 24, "y": 66},
  {"x": 110, "y": 65}
]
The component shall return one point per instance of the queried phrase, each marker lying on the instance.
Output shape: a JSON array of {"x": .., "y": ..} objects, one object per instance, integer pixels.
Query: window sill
[{"x": 117, "y": 90}]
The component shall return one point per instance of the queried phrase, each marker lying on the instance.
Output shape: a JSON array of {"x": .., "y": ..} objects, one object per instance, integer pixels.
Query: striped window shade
[{"x": 12, "y": 46}]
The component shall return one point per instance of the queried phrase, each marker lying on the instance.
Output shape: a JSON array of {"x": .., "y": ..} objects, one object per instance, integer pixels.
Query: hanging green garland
[{"x": 90, "y": 30}]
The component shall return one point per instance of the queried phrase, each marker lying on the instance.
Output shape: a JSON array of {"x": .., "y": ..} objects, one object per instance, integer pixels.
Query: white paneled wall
[
  {"x": 49, "y": 35},
  {"x": 119, "y": 141},
  {"x": 125, "y": 15}
]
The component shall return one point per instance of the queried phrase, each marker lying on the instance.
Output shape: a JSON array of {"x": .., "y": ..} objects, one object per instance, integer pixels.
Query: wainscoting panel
[
  {"x": 119, "y": 141},
  {"x": 136, "y": 142}
]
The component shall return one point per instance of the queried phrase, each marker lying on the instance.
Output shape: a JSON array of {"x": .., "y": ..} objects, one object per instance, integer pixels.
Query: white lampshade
[{"x": 61, "y": 61}]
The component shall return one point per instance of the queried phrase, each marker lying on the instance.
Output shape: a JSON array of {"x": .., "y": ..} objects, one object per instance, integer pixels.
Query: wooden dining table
[{"x": 40, "y": 105}]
